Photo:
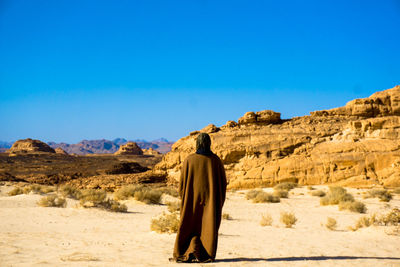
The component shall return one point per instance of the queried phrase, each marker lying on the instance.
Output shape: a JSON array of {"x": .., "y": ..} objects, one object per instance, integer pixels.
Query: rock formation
[
  {"x": 150, "y": 151},
  {"x": 358, "y": 145},
  {"x": 30, "y": 146},
  {"x": 130, "y": 148},
  {"x": 59, "y": 150}
]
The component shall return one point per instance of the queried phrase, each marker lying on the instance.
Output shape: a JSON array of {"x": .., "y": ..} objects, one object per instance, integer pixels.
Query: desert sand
[{"x": 38, "y": 236}]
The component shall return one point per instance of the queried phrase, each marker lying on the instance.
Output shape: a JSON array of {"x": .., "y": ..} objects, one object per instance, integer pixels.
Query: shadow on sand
[{"x": 312, "y": 258}]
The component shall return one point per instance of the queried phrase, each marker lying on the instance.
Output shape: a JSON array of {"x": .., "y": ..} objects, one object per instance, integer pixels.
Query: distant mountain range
[{"x": 102, "y": 146}]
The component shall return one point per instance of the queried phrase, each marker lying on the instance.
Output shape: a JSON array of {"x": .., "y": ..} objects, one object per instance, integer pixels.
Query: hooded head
[{"x": 203, "y": 144}]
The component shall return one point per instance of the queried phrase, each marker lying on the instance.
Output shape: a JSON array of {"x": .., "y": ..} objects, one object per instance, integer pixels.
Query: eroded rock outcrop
[
  {"x": 130, "y": 148},
  {"x": 357, "y": 144},
  {"x": 30, "y": 146}
]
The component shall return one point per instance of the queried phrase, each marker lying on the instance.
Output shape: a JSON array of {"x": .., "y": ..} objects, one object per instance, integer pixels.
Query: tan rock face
[
  {"x": 59, "y": 150},
  {"x": 357, "y": 144},
  {"x": 30, "y": 146},
  {"x": 130, "y": 148},
  {"x": 150, "y": 151}
]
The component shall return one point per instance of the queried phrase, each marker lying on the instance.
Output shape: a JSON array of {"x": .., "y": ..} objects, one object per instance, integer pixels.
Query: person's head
[{"x": 203, "y": 142}]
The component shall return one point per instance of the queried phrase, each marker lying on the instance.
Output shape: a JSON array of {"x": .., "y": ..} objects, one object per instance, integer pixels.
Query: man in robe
[{"x": 202, "y": 188}]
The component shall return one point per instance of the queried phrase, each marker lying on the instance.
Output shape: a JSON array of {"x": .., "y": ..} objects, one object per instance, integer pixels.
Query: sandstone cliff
[
  {"x": 30, "y": 146},
  {"x": 357, "y": 144}
]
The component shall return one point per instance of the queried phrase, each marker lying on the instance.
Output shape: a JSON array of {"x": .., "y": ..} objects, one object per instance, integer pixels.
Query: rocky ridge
[
  {"x": 356, "y": 145},
  {"x": 30, "y": 146},
  {"x": 130, "y": 148}
]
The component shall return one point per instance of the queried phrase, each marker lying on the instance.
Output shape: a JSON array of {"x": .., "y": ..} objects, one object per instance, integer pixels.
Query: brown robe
[{"x": 202, "y": 188}]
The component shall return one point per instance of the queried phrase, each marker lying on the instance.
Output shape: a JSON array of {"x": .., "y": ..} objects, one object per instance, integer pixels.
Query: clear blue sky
[{"x": 73, "y": 70}]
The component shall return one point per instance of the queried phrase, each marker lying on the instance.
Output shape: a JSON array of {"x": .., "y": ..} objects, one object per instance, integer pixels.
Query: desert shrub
[
  {"x": 174, "y": 206},
  {"x": 92, "y": 197},
  {"x": 70, "y": 191},
  {"x": 127, "y": 192},
  {"x": 166, "y": 223},
  {"x": 266, "y": 220},
  {"x": 310, "y": 188},
  {"x": 288, "y": 219},
  {"x": 172, "y": 191},
  {"x": 335, "y": 195},
  {"x": 148, "y": 196},
  {"x": 38, "y": 189},
  {"x": 281, "y": 193},
  {"x": 331, "y": 224},
  {"x": 354, "y": 206},
  {"x": 52, "y": 201},
  {"x": 113, "y": 205},
  {"x": 285, "y": 186},
  {"x": 318, "y": 193},
  {"x": 226, "y": 216},
  {"x": 139, "y": 193},
  {"x": 391, "y": 218},
  {"x": 382, "y": 194},
  {"x": 15, "y": 191},
  {"x": 259, "y": 196},
  {"x": 396, "y": 190}
]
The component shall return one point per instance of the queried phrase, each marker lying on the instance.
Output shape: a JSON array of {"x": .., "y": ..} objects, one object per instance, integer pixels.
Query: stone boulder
[
  {"x": 131, "y": 148},
  {"x": 264, "y": 116},
  {"x": 30, "y": 146}
]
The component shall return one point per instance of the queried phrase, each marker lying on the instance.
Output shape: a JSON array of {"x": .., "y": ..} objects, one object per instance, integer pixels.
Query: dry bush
[
  {"x": 166, "y": 223},
  {"x": 259, "y": 196},
  {"x": 354, "y": 206},
  {"x": 113, "y": 205},
  {"x": 127, "y": 192},
  {"x": 139, "y": 193},
  {"x": 335, "y": 195},
  {"x": 382, "y": 194},
  {"x": 52, "y": 201},
  {"x": 92, "y": 197},
  {"x": 16, "y": 191},
  {"x": 266, "y": 220},
  {"x": 285, "y": 186},
  {"x": 396, "y": 190},
  {"x": 331, "y": 224},
  {"x": 226, "y": 216},
  {"x": 310, "y": 188},
  {"x": 288, "y": 218},
  {"x": 70, "y": 191},
  {"x": 281, "y": 193},
  {"x": 318, "y": 193},
  {"x": 38, "y": 189},
  {"x": 174, "y": 206},
  {"x": 391, "y": 218},
  {"x": 172, "y": 191},
  {"x": 148, "y": 196}
]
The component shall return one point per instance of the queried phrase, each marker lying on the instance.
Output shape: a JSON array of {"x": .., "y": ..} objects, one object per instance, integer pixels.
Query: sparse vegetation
[
  {"x": 139, "y": 193},
  {"x": 288, "y": 219},
  {"x": 70, "y": 191},
  {"x": 38, "y": 189},
  {"x": 266, "y": 220},
  {"x": 259, "y": 196},
  {"x": 318, "y": 193},
  {"x": 354, "y": 206},
  {"x": 396, "y": 190},
  {"x": 226, "y": 216},
  {"x": 391, "y": 218},
  {"x": 15, "y": 191},
  {"x": 310, "y": 188},
  {"x": 287, "y": 186},
  {"x": 174, "y": 206},
  {"x": 335, "y": 195},
  {"x": 98, "y": 199},
  {"x": 172, "y": 191},
  {"x": 281, "y": 193},
  {"x": 52, "y": 201},
  {"x": 383, "y": 194},
  {"x": 165, "y": 223},
  {"x": 331, "y": 224}
]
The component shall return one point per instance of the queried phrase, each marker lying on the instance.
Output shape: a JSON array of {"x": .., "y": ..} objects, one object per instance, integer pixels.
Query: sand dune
[{"x": 37, "y": 236}]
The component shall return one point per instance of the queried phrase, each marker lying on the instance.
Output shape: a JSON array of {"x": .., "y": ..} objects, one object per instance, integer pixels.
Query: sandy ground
[{"x": 36, "y": 236}]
